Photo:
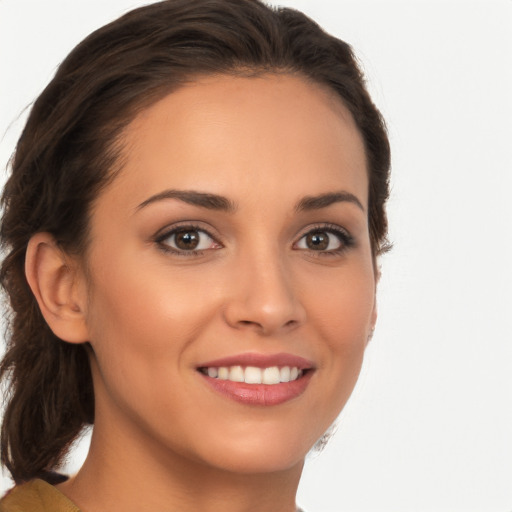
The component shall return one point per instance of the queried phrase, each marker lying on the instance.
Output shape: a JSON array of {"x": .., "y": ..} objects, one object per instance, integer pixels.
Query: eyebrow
[
  {"x": 202, "y": 199},
  {"x": 325, "y": 200},
  {"x": 221, "y": 203}
]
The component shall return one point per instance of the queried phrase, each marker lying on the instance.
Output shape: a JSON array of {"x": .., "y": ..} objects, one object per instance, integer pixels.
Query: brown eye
[
  {"x": 329, "y": 240},
  {"x": 187, "y": 240},
  {"x": 317, "y": 241}
]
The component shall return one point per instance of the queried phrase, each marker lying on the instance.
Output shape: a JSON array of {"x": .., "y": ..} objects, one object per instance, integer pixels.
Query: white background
[{"x": 429, "y": 427}]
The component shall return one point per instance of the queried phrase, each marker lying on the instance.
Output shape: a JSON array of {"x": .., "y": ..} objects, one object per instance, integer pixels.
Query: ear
[
  {"x": 374, "y": 314},
  {"x": 58, "y": 286},
  {"x": 373, "y": 321}
]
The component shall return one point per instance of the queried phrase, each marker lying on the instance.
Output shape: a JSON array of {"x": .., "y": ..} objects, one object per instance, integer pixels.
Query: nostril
[
  {"x": 265, "y": 327},
  {"x": 255, "y": 312}
]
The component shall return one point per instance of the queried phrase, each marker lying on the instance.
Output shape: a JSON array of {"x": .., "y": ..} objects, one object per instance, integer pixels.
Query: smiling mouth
[
  {"x": 253, "y": 375},
  {"x": 258, "y": 379}
]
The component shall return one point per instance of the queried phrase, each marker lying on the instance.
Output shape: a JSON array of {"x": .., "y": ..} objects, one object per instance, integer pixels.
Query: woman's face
[{"x": 233, "y": 245}]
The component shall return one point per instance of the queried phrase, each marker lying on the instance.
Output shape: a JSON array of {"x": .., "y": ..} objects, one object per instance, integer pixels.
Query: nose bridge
[{"x": 264, "y": 296}]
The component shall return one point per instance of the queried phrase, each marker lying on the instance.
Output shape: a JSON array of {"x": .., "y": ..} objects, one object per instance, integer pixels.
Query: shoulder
[{"x": 36, "y": 496}]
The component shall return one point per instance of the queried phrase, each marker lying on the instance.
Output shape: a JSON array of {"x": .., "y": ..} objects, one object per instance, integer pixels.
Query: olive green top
[{"x": 36, "y": 496}]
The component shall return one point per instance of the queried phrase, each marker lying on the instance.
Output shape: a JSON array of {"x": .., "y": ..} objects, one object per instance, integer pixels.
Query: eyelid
[
  {"x": 171, "y": 230},
  {"x": 184, "y": 224},
  {"x": 347, "y": 240}
]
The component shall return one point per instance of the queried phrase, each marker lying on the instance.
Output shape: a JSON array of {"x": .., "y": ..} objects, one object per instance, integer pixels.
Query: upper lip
[{"x": 260, "y": 361}]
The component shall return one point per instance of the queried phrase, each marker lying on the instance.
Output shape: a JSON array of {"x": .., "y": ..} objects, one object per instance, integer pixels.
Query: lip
[
  {"x": 261, "y": 361},
  {"x": 260, "y": 394}
]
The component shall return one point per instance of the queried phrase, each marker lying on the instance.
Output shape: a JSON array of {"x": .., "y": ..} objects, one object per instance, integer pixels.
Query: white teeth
[
  {"x": 284, "y": 374},
  {"x": 236, "y": 374},
  {"x": 254, "y": 375},
  {"x": 271, "y": 375}
]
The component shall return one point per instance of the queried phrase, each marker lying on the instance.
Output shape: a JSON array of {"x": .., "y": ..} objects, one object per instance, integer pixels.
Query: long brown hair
[{"x": 67, "y": 153}]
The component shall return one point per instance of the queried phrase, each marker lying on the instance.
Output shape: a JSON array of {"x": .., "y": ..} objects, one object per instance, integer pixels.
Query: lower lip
[{"x": 260, "y": 394}]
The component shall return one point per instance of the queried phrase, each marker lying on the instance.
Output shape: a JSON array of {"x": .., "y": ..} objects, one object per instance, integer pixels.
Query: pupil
[
  {"x": 317, "y": 241},
  {"x": 187, "y": 240}
]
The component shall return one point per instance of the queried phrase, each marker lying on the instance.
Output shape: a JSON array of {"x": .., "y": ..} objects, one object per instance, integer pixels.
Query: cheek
[
  {"x": 341, "y": 314},
  {"x": 143, "y": 327},
  {"x": 342, "y": 306},
  {"x": 140, "y": 327},
  {"x": 132, "y": 298}
]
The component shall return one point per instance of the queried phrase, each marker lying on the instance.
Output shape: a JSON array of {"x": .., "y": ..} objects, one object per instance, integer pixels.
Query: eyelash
[
  {"x": 159, "y": 239},
  {"x": 346, "y": 240}
]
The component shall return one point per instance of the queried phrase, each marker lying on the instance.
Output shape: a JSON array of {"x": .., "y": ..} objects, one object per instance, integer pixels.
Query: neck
[{"x": 110, "y": 480}]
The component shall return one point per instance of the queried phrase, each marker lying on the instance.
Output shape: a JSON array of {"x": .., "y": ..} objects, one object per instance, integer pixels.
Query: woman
[{"x": 193, "y": 222}]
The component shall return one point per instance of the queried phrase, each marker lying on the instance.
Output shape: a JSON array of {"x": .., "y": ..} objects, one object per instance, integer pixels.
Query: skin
[{"x": 151, "y": 316}]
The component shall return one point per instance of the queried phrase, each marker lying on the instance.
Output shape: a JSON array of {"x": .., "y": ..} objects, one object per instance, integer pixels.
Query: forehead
[{"x": 228, "y": 134}]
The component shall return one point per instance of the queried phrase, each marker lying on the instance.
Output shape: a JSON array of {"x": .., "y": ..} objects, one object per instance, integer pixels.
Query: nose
[{"x": 263, "y": 297}]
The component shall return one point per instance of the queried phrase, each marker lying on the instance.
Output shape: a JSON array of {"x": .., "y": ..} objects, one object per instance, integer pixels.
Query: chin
[
  {"x": 245, "y": 462},
  {"x": 270, "y": 450}
]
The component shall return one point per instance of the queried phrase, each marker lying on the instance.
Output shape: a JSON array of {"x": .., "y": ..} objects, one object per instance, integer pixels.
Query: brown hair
[{"x": 66, "y": 154}]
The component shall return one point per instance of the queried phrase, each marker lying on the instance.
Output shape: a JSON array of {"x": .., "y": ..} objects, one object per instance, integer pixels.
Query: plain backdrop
[{"x": 429, "y": 426}]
